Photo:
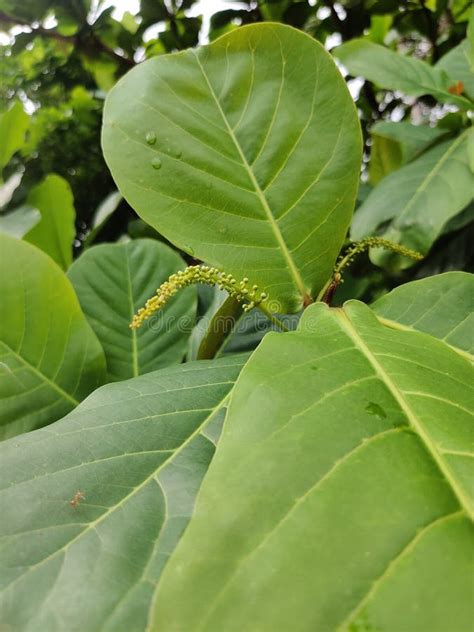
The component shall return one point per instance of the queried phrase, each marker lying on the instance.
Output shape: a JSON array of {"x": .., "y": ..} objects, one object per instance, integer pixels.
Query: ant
[{"x": 77, "y": 498}]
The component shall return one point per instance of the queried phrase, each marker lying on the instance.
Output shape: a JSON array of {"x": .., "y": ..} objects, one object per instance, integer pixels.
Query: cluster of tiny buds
[
  {"x": 373, "y": 242},
  {"x": 251, "y": 297}
]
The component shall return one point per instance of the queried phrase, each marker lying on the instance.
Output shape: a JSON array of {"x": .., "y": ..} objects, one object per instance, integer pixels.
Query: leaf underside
[
  {"x": 341, "y": 494},
  {"x": 112, "y": 282},
  {"x": 263, "y": 131},
  {"x": 137, "y": 451}
]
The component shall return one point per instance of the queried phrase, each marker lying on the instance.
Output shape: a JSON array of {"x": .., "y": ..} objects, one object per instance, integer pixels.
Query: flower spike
[{"x": 199, "y": 274}]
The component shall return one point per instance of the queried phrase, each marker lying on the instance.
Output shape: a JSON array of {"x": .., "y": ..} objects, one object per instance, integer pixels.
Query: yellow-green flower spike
[
  {"x": 199, "y": 274},
  {"x": 373, "y": 242}
]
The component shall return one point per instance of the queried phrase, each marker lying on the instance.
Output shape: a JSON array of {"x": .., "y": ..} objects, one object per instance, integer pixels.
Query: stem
[
  {"x": 275, "y": 321},
  {"x": 356, "y": 248},
  {"x": 221, "y": 325},
  {"x": 70, "y": 39}
]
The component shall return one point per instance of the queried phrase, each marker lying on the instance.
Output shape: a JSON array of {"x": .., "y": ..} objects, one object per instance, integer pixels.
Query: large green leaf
[
  {"x": 414, "y": 203},
  {"x": 244, "y": 153},
  {"x": 55, "y": 232},
  {"x": 112, "y": 282},
  {"x": 340, "y": 496},
  {"x": 393, "y": 71},
  {"x": 13, "y": 126},
  {"x": 137, "y": 450},
  {"x": 441, "y": 305},
  {"x": 456, "y": 63},
  {"x": 50, "y": 358}
]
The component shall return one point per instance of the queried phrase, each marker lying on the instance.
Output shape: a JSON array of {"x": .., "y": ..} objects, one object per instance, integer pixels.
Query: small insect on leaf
[
  {"x": 457, "y": 88},
  {"x": 77, "y": 498}
]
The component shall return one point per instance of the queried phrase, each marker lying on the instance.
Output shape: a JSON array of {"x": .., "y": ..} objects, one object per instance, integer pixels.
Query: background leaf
[
  {"x": 13, "y": 126},
  {"x": 394, "y": 144},
  {"x": 456, "y": 64},
  {"x": 138, "y": 451},
  {"x": 55, "y": 232},
  {"x": 112, "y": 282},
  {"x": 50, "y": 358},
  {"x": 237, "y": 121},
  {"x": 19, "y": 221},
  {"x": 394, "y": 71},
  {"x": 442, "y": 305},
  {"x": 340, "y": 484},
  {"x": 414, "y": 203}
]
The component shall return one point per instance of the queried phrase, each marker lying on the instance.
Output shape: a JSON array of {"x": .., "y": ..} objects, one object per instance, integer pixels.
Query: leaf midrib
[
  {"x": 42, "y": 376},
  {"x": 101, "y": 518},
  {"x": 135, "y": 368},
  {"x": 394, "y": 324},
  {"x": 347, "y": 326},
  {"x": 431, "y": 174},
  {"x": 297, "y": 278}
]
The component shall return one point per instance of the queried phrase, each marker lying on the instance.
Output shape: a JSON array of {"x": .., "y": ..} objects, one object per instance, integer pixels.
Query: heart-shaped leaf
[
  {"x": 93, "y": 506},
  {"x": 112, "y": 282},
  {"x": 340, "y": 497},
  {"x": 244, "y": 153},
  {"x": 50, "y": 358}
]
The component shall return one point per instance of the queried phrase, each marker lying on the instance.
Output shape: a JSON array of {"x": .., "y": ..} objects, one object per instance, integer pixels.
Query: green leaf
[
  {"x": 393, "y": 71},
  {"x": 13, "y": 126},
  {"x": 394, "y": 144},
  {"x": 440, "y": 305},
  {"x": 456, "y": 63},
  {"x": 470, "y": 39},
  {"x": 50, "y": 358},
  {"x": 340, "y": 494},
  {"x": 102, "y": 215},
  {"x": 137, "y": 450},
  {"x": 112, "y": 282},
  {"x": 236, "y": 121},
  {"x": 414, "y": 203},
  {"x": 19, "y": 221},
  {"x": 55, "y": 232}
]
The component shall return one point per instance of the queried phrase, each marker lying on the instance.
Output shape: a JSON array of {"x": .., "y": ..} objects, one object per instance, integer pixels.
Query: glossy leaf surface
[
  {"x": 244, "y": 153},
  {"x": 50, "y": 358},
  {"x": 131, "y": 459},
  {"x": 340, "y": 495},
  {"x": 112, "y": 282}
]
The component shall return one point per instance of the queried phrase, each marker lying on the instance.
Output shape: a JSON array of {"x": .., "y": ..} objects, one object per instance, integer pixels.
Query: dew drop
[
  {"x": 375, "y": 409},
  {"x": 150, "y": 138},
  {"x": 156, "y": 163}
]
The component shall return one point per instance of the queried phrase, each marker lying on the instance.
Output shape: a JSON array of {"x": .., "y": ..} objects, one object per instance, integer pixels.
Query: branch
[{"x": 75, "y": 40}]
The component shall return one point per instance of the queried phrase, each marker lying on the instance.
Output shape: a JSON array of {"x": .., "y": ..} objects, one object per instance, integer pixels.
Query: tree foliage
[{"x": 236, "y": 364}]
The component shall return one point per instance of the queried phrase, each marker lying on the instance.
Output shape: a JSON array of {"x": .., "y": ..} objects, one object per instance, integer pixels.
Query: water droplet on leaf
[
  {"x": 150, "y": 138},
  {"x": 375, "y": 409},
  {"x": 156, "y": 163}
]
